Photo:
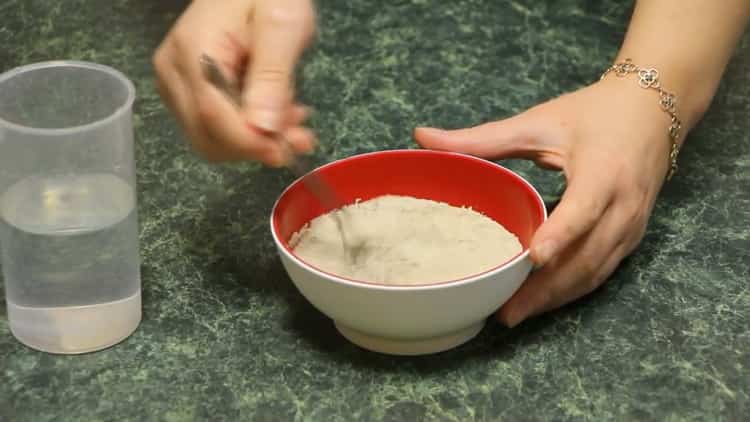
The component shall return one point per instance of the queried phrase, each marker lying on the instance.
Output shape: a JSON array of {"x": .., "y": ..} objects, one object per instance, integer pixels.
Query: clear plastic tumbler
[{"x": 68, "y": 221}]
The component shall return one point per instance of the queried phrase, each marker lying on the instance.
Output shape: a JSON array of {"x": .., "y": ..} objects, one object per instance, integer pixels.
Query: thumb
[
  {"x": 509, "y": 138},
  {"x": 281, "y": 31},
  {"x": 589, "y": 194}
]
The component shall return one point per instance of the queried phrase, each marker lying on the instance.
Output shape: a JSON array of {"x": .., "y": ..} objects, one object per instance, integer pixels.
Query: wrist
[
  {"x": 692, "y": 87},
  {"x": 646, "y": 97}
]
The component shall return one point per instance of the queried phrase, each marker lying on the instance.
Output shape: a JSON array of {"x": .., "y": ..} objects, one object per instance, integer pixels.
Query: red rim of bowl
[{"x": 284, "y": 247}]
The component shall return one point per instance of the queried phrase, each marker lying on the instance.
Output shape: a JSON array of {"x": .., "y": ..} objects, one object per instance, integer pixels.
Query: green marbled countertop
[{"x": 226, "y": 336}]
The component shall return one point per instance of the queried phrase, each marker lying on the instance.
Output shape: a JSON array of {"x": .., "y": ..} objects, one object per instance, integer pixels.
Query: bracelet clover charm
[{"x": 648, "y": 78}]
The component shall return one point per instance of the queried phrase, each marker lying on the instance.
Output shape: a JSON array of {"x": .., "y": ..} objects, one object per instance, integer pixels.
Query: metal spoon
[{"x": 319, "y": 187}]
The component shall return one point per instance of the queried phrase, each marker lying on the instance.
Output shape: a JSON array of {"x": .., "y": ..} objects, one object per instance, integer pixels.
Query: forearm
[{"x": 689, "y": 42}]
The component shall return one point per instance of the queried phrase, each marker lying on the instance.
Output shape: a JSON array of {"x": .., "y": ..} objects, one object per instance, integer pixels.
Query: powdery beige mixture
[{"x": 406, "y": 241}]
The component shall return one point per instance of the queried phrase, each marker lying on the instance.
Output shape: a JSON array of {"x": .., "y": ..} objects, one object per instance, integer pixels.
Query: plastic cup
[{"x": 68, "y": 218}]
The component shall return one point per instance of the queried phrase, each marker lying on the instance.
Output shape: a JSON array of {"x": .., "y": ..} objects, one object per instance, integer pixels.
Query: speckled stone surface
[{"x": 225, "y": 335}]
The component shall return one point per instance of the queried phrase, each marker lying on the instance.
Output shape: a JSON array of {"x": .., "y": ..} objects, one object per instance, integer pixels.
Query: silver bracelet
[{"x": 648, "y": 78}]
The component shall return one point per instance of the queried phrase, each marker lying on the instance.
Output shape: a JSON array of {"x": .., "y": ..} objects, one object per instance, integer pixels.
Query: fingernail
[
  {"x": 265, "y": 119},
  {"x": 277, "y": 160},
  {"x": 509, "y": 318},
  {"x": 545, "y": 252},
  {"x": 513, "y": 322}
]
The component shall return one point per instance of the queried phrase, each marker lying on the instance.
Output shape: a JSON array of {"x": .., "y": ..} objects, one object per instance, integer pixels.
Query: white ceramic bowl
[{"x": 412, "y": 320}]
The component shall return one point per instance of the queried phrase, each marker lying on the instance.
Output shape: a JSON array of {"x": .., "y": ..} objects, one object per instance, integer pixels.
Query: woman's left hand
[{"x": 610, "y": 140}]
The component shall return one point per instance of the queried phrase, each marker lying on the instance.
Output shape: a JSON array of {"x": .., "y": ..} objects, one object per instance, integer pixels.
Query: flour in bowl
[{"x": 402, "y": 240}]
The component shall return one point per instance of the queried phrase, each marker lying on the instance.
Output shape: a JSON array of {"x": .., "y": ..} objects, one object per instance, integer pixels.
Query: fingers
[
  {"x": 173, "y": 90},
  {"x": 225, "y": 126},
  {"x": 297, "y": 115},
  {"x": 585, "y": 200},
  {"x": 214, "y": 125},
  {"x": 581, "y": 269},
  {"x": 282, "y": 29},
  {"x": 585, "y": 264},
  {"x": 507, "y": 138},
  {"x": 302, "y": 139}
]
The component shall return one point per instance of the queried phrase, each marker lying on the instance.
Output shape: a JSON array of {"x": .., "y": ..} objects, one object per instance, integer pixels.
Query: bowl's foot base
[{"x": 409, "y": 347}]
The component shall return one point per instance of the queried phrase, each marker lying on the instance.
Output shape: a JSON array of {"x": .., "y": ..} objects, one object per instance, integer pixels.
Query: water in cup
[{"x": 70, "y": 258}]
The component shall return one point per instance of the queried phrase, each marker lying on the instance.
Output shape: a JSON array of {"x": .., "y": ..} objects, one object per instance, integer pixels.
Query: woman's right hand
[{"x": 257, "y": 44}]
